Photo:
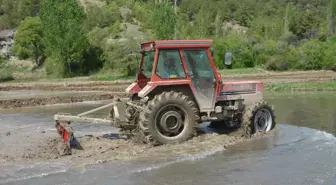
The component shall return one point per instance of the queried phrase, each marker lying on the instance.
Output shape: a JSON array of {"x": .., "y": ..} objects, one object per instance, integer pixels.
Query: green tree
[
  {"x": 13, "y": 11},
  {"x": 102, "y": 16},
  {"x": 329, "y": 61},
  {"x": 29, "y": 36},
  {"x": 202, "y": 24},
  {"x": 10, "y": 17},
  {"x": 163, "y": 21},
  {"x": 64, "y": 37},
  {"x": 332, "y": 15},
  {"x": 218, "y": 24},
  {"x": 287, "y": 18},
  {"x": 302, "y": 23}
]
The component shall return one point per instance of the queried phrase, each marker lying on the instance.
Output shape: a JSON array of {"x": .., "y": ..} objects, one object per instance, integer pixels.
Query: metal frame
[{"x": 116, "y": 120}]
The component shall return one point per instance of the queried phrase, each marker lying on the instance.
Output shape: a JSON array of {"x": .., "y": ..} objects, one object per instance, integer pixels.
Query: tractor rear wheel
[
  {"x": 258, "y": 117},
  {"x": 170, "y": 117}
]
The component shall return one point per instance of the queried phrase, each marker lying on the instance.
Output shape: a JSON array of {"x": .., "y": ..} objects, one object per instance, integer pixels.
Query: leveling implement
[{"x": 177, "y": 88}]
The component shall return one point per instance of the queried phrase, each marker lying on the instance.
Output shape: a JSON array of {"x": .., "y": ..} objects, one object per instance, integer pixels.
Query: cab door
[{"x": 202, "y": 77}]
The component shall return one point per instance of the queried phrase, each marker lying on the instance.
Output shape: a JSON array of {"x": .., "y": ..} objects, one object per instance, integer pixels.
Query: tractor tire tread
[
  {"x": 248, "y": 117},
  {"x": 154, "y": 105}
]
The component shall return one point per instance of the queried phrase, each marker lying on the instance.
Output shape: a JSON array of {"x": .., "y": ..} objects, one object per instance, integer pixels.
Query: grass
[
  {"x": 240, "y": 71},
  {"x": 7, "y": 72},
  {"x": 6, "y": 76},
  {"x": 325, "y": 86},
  {"x": 109, "y": 75},
  {"x": 109, "y": 78}
]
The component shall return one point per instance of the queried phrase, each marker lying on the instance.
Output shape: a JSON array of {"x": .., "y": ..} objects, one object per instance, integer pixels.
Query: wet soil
[
  {"x": 120, "y": 86},
  {"x": 110, "y": 147},
  {"x": 75, "y": 86},
  {"x": 103, "y": 148},
  {"x": 112, "y": 88},
  {"x": 30, "y": 150},
  {"x": 40, "y": 101}
]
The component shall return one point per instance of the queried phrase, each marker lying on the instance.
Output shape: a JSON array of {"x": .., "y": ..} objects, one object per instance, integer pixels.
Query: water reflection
[{"x": 314, "y": 110}]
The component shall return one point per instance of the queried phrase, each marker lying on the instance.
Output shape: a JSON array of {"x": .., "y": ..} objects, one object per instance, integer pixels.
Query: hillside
[{"x": 271, "y": 34}]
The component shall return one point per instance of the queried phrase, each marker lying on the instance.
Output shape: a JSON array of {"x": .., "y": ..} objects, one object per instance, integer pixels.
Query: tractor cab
[{"x": 187, "y": 63}]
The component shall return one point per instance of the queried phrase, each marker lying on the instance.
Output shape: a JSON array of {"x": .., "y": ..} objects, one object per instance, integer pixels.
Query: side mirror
[{"x": 228, "y": 58}]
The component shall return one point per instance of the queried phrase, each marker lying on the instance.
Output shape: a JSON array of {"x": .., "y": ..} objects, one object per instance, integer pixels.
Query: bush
[
  {"x": 311, "y": 55},
  {"x": 120, "y": 56},
  {"x": 263, "y": 51},
  {"x": 5, "y": 76},
  {"x": 329, "y": 58},
  {"x": 126, "y": 3},
  {"x": 102, "y": 17},
  {"x": 1, "y": 60},
  {"x": 115, "y": 29},
  {"x": 131, "y": 66},
  {"x": 21, "y": 52},
  {"x": 55, "y": 67},
  {"x": 243, "y": 55},
  {"x": 97, "y": 36},
  {"x": 129, "y": 17},
  {"x": 277, "y": 63}
]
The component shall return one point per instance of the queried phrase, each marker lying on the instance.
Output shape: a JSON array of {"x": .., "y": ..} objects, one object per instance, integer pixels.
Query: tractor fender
[
  {"x": 146, "y": 90},
  {"x": 171, "y": 84},
  {"x": 153, "y": 90},
  {"x": 133, "y": 88}
]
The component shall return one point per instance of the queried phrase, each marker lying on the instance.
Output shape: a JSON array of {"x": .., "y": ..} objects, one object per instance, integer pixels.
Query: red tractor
[{"x": 177, "y": 88}]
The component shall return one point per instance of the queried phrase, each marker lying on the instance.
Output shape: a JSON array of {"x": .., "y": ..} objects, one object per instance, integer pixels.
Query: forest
[{"x": 70, "y": 38}]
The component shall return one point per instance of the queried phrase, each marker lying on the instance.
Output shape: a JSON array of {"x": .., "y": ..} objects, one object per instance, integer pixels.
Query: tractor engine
[{"x": 232, "y": 99}]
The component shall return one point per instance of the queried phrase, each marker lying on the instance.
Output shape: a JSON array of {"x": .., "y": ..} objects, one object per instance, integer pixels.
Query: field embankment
[{"x": 105, "y": 90}]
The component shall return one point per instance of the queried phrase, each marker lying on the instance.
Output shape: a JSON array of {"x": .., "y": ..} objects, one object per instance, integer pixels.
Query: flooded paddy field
[{"x": 302, "y": 150}]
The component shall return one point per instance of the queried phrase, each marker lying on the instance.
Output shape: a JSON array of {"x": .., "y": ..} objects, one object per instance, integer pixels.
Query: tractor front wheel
[
  {"x": 170, "y": 117},
  {"x": 258, "y": 117}
]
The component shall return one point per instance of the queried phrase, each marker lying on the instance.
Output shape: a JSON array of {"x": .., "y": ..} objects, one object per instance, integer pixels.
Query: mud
[
  {"x": 120, "y": 86},
  {"x": 40, "y": 101},
  {"x": 90, "y": 87},
  {"x": 287, "y": 77},
  {"x": 302, "y": 151},
  {"x": 75, "y": 86},
  {"x": 111, "y": 88},
  {"x": 98, "y": 149},
  {"x": 106, "y": 148}
]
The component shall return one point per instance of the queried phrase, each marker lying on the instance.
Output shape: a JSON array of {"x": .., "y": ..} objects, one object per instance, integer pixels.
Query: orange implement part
[{"x": 62, "y": 132}]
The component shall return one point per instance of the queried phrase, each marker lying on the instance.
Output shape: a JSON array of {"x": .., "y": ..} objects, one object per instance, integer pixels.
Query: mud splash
[{"x": 103, "y": 149}]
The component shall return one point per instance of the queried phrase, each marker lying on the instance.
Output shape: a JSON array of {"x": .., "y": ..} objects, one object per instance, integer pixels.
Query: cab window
[
  {"x": 170, "y": 64},
  {"x": 148, "y": 60},
  {"x": 198, "y": 63}
]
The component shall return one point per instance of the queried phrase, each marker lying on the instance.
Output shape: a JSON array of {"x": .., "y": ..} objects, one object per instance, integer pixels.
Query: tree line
[{"x": 68, "y": 38}]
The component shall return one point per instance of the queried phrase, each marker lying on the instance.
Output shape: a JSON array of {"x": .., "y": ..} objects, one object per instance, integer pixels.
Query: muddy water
[{"x": 301, "y": 151}]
